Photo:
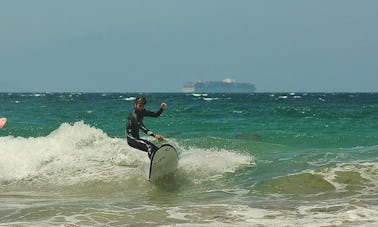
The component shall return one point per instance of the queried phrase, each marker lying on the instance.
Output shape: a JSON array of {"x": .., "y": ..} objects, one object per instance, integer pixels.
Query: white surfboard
[
  {"x": 3, "y": 121},
  {"x": 163, "y": 162}
]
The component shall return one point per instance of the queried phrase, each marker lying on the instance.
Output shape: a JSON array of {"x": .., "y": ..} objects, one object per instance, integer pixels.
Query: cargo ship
[{"x": 226, "y": 86}]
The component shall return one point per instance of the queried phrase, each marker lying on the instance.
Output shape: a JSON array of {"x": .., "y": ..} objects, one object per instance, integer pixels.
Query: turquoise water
[{"x": 302, "y": 159}]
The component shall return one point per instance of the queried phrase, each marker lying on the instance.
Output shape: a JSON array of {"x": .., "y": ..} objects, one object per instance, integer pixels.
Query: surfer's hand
[
  {"x": 163, "y": 105},
  {"x": 159, "y": 137}
]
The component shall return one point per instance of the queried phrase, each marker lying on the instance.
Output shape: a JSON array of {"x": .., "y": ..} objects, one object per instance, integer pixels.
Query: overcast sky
[{"x": 158, "y": 45}]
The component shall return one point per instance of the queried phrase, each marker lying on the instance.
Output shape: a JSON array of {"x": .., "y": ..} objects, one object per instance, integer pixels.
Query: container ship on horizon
[{"x": 226, "y": 86}]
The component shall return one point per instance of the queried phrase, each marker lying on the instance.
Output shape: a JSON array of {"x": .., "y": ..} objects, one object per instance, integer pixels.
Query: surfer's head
[
  {"x": 141, "y": 99},
  {"x": 140, "y": 102}
]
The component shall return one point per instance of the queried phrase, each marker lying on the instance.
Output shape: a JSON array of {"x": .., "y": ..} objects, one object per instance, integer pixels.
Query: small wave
[
  {"x": 357, "y": 180},
  {"x": 210, "y": 164},
  {"x": 298, "y": 184},
  {"x": 358, "y": 177},
  {"x": 129, "y": 98},
  {"x": 210, "y": 99},
  {"x": 39, "y": 94},
  {"x": 199, "y": 95}
]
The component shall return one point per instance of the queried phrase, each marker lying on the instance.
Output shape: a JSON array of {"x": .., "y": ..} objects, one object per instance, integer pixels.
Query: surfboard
[
  {"x": 3, "y": 121},
  {"x": 163, "y": 162}
]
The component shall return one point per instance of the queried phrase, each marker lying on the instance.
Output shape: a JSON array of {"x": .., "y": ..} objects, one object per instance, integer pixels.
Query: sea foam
[{"x": 77, "y": 153}]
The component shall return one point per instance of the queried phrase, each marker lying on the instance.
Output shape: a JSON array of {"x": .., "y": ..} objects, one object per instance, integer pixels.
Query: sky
[{"x": 158, "y": 45}]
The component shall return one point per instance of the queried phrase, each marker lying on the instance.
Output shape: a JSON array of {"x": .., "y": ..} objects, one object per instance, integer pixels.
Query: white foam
[
  {"x": 210, "y": 99},
  {"x": 241, "y": 215},
  {"x": 71, "y": 153},
  {"x": 210, "y": 164},
  {"x": 76, "y": 153},
  {"x": 199, "y": 95},
  {"x": 367, "y": 171},
  {"x": 129, "y": 98}
]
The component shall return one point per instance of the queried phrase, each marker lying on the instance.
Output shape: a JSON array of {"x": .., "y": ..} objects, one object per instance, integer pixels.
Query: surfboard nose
[{"x": 164, "y": 161}]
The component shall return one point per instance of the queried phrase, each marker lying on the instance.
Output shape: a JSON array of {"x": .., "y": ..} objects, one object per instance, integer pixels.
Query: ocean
[{"x": 260, "y": 159}]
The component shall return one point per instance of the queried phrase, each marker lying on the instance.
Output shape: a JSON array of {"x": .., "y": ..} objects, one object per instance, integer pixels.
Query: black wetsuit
[{"x": 134, "y": 123}]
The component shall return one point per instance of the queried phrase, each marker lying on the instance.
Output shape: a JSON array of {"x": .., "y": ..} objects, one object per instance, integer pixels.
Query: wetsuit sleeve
[
  {"x": 146, "y": 130},
  {"x": 149, "y": 113}
]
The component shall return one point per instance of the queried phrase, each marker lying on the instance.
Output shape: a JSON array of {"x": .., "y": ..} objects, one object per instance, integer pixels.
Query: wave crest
[{"x": 77, "y": 153}]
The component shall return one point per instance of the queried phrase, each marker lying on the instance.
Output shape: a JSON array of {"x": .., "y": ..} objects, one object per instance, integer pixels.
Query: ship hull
[{"x": 219, "y": 87}]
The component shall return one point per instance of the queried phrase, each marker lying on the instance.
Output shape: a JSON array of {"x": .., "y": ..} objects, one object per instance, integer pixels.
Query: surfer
[{"x": 135, "y": 122}]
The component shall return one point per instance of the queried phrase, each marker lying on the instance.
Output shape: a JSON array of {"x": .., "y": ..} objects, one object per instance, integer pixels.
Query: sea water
[{"x": 261, "y": 159}]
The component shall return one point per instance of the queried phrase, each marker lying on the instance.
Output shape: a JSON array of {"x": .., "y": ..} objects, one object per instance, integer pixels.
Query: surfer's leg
[
  {"x": 138, "y": 144},
  {"x": 143, "y": 145},
  {"x": 151, "y": 148}
]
